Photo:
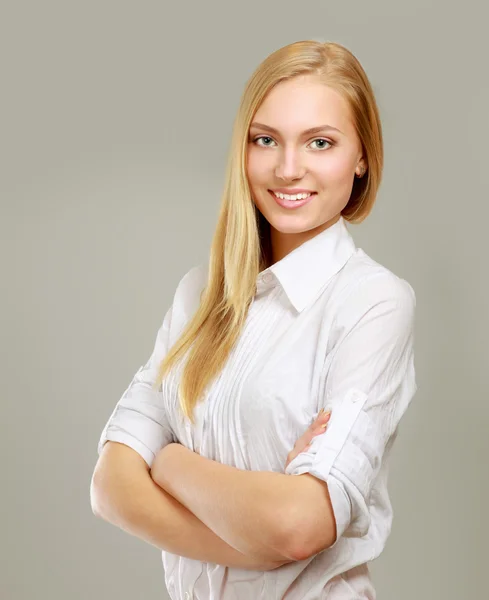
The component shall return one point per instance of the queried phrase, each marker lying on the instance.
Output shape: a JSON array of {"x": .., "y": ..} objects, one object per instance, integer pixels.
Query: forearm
[
  {"x": 244, "y": 508},
  {"x": 157, "y": 518}
]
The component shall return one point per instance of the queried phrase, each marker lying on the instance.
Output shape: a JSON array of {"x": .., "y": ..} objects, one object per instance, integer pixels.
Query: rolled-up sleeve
[
  {"x": 139, "y": 418},
  {"x": 370, "y": 381}
]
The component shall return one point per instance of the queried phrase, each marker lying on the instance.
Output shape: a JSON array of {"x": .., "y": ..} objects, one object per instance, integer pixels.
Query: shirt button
[
  {"x": 356, "y": 396},
  {"x": 267, "y": 277},
  {"x": 187, "y": 596}
]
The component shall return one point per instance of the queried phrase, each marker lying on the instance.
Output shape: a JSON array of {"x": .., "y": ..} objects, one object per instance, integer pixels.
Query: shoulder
[
  {"x": 189, "y": 289},
  {"x": 193, "y": 280},
  {"x": 368, "y": 284}
]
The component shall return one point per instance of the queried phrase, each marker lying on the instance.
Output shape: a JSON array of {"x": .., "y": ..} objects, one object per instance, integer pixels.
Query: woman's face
[{"x": 283, "y": 156}]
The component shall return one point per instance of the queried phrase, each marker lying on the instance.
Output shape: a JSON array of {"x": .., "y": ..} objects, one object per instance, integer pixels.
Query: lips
[{"x": 291, "y": 204}]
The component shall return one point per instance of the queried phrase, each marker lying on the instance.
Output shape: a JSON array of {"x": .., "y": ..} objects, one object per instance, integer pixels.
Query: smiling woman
[{"x": 288, "y": 317}]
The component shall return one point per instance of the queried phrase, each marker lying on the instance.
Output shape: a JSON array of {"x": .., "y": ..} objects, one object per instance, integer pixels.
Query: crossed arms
[{"x": 195, "y": 507}]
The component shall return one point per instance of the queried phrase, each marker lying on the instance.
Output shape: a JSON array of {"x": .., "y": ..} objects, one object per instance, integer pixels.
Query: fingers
[
  {"x": 323, "y": 417},
  {"x": 303, "y": 444},
  {"x": 323, "y": 413},
  {"x": 320, "y": 425}
]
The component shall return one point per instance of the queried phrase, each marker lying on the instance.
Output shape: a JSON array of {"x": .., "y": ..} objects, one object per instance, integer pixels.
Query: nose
[{"x": 289, "y": 165}]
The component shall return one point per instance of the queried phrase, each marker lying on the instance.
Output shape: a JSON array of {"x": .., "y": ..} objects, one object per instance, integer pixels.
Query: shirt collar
[{"x": 304, "y": 272}]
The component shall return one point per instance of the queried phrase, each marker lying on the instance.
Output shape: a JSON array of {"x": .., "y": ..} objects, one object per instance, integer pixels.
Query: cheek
[
  {"x": 335, "y": 170},
  {"x": 257, "y": 169}
]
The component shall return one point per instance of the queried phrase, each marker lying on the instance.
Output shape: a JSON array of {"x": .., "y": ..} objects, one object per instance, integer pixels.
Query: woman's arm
[
  {"x": 188, "y": 536},
  {"x": 124, "y": 494},
  {"x": 256, "y": 512}
]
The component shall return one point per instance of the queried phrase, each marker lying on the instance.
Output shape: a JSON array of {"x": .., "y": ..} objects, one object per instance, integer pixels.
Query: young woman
[{"x": 266, "y": 498}]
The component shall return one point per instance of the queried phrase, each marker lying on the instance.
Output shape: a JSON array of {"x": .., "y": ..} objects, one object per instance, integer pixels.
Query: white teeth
[{"x": 291, "y": 197}]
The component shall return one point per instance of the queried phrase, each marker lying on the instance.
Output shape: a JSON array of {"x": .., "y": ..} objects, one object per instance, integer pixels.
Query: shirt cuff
[
  {"x": 341, "y": 507},
  {"x": 117, "y": 435}
]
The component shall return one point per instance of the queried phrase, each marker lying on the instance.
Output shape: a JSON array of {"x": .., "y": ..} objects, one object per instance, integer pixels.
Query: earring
[{"x": 362, "y": 172}]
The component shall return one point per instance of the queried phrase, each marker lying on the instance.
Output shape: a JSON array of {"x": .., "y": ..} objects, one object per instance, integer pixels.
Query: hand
[{"x": 304, "y": 442}]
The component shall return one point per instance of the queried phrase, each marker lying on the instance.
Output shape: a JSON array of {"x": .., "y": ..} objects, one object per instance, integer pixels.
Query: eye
[
  {"x": 322, "y": 140},
  {"x": 262, "y": 137}
]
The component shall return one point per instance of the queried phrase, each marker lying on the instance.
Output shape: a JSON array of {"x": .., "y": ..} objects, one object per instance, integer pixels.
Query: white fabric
[{"x": 328, "y": 327}]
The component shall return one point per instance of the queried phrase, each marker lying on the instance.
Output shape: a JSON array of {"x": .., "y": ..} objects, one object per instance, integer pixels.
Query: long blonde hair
[{"x": 240, "y": 247}]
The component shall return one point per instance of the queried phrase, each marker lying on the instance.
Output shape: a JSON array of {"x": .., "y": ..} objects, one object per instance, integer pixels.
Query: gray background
[{"x": 115, "y": 125}]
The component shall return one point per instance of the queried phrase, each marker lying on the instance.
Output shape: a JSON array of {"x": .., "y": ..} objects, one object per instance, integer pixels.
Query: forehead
[{"x": 303, "y": 102}]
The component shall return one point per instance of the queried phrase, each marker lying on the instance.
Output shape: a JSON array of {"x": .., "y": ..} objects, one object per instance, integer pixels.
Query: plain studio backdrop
[{"x": 115, "y": 125}]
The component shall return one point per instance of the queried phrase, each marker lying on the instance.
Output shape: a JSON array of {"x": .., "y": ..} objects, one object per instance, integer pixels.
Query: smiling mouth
[
  {"x": 291, "y": 197},
  {"x": 286, "y": 203}
]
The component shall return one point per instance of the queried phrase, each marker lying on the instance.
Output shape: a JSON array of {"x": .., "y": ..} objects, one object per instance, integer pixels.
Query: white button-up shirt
[{"x": 328, "y": 327}]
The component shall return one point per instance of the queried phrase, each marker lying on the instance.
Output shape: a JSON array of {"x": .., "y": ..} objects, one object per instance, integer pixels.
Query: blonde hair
[{"x": 240, "y": 247}]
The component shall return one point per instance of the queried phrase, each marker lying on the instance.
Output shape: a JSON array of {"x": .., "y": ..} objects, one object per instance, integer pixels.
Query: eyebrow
[{"x": 306, "y": 132}]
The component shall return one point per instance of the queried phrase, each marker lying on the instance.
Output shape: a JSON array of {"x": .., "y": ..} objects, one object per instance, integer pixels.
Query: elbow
[
  {"x": 105, "y": 499},
  {"x": 279, "y": 541},
  {"x": 305, "y": 539},
  {"x": 97, "y": 497},
  {"x": 107, "y": 486},
  {"x": 303, "y": 550},
  {"x": 109, "y": 505},
  {"x": 118, "y": 485},
  {"x": 294, "y": 540},
  {"x": 295, "y": 545}
]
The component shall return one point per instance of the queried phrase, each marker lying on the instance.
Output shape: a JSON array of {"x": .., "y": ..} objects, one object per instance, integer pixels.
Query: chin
[{"x": 292, "y": 225}]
